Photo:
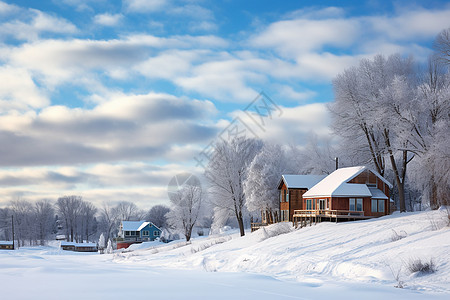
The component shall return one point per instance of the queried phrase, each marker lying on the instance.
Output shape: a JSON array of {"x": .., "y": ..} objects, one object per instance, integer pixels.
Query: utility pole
[{"x": 12, "y": 225}]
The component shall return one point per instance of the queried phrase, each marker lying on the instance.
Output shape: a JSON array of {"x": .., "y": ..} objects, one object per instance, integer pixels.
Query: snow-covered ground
[{"x": 353, "y": 260}]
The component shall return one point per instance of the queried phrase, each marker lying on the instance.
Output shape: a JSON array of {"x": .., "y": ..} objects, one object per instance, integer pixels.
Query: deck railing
[
  {"x": 327, "y": 212},
  {"x": 256, "y": 226},
  {"x": 317, "y": 215}
]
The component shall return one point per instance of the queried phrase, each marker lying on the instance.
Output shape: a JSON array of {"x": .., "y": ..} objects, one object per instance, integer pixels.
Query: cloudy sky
[{"x": 110, "y": 99}]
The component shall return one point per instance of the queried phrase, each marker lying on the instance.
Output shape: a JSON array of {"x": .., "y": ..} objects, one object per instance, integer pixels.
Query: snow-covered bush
[
  {"x": 420, "y": 267},
  {"x": 398, "y": 235},
  {"x": 273, "y": 230}
]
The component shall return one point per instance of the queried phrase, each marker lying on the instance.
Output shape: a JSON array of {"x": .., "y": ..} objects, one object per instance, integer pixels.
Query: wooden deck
[{"x": 303, "y": 217}]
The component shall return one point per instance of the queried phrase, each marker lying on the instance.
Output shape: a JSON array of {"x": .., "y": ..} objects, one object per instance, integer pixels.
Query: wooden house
[
  {"x": 291, "y": 189},
  {"x": 131, "y": 232},
  {"x": 347, "y": 193},
  {"x": 6, "y": 245},
  {"x": 79, "y": 247}
]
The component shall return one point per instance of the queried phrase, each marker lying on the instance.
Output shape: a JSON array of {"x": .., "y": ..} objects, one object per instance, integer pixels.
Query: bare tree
[
  {"x": 22, "y": 211},
  {"x": 186, "y": 208},
  {"x": 108, "y": 219},
  {"x": 127, "y": 211},
  {"x": 5, "y": 224},
  {"x": 69, "y": 207},
  {"x": 88, "y": 221},
  {"x": 442, "y": 47},
  {"x": 157, "y": 215},
  {"x": 44, "y": 217},
  {"x": 226, "y": 172}
]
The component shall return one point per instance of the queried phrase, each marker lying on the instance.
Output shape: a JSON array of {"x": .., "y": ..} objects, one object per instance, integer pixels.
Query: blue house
[{"x": 131, "y": 232}]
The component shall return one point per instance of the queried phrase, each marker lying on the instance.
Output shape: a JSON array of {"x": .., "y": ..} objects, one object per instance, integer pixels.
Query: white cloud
[
  {"x": 287, "y": 92},
  {"x": 411, "y": 24},
  {"x": 127, "y": 127},
  {"x": 294, "y": 124},
  {"x": 140, "y": 6},
  {"x": 18, "y": 91},
  {"x": 107, "y": 19},
  {"x": 292, "y": 38},
  {"x": 31, "y": 23},
  {"x": 6, "y": 8}
]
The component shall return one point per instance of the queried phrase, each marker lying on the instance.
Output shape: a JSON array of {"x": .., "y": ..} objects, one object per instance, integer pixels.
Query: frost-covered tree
[
  {"x": 366, "y": 100},
  {"x": 157, "y": 215},
  {"x": 186, "y": 207},
  {"x": 226, "y": 173},
  {"x": 109, "y": 247},
  {"x": 425, "y": 121},
  {"x": 101, "y": 242},
  {"x": 261, "y": 184}
]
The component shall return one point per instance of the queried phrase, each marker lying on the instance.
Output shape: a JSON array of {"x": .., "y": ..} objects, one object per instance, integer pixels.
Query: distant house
[
  {"x": 131, "y": 232},
  {"x": 347, "y": 193},
  {"x": 291, "y": 189},
  {"x": 79, "y": 247},
  {"x": 6, "y": 245}
]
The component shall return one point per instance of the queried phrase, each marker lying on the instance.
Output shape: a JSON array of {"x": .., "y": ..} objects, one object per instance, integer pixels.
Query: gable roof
[
  {"x": 135, "y": 225},
  {"x": 336, "y": 185},
  {"x": 300, "y": 181}
]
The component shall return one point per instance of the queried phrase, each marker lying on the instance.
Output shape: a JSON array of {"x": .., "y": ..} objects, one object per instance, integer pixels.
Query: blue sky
[{"x": 110, "y": 99}]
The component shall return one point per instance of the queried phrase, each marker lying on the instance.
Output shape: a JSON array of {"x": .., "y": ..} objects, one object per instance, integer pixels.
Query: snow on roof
[
  {"x": 6, "y": 242},
  {"x": 78, "y": 244},
  {"x": 336, "y": 184},
  {"x": 377, "y": 194},
  {"x": 301, "y": 181},
  {"x": 134, "y": 225}
]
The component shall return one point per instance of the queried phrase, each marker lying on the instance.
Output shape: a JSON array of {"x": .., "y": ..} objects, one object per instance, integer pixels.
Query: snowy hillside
[
  {"x": 348, "y": 260},
  {"x": 370, "y": 251}
]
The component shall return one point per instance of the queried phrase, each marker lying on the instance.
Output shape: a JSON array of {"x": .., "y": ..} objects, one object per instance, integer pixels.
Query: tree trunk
[
  {"x": 433, "y": 194},
  {"x": 240, "y": 220}
]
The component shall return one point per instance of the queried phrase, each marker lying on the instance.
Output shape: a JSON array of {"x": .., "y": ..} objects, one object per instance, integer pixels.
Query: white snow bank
[{"x": 362, "y": 251}]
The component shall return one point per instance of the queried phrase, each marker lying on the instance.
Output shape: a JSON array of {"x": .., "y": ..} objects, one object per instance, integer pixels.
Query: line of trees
[{"x": 76, "y": 219}]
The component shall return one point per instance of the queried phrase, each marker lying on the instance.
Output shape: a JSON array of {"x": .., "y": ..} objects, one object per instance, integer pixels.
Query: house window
[
  {"x": 287, "y": 196},
  {"x": 308, "y": 204},
  {"x": 322, "y": 203},
  {"x": 284, "y": 215},
  {"x": 355, "y": 204},
  {"x": 145, "y": 233},
  {"x": 377, "y": 205},
  {"x": 127, "y": 233},
  {"x": 156, "y": 233}
]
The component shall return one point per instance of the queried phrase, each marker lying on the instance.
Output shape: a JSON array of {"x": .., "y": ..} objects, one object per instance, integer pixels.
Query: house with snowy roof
[
  {"x": 131, "y": 232},
  {"x": 79, "y": 247},
  {"x": 291, "y": 189},
  {"x": 6, "y": 245},
  {"x": 346, "y": 194}
]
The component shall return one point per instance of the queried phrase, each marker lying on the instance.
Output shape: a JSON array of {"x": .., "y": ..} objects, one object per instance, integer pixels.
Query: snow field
[
  {"x": 362, "y": 251},
  {"x": 343, "y": 261}
]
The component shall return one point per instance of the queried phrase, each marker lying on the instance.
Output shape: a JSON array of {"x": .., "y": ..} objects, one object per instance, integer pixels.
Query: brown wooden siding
[{"x": 295, "y": 201}]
